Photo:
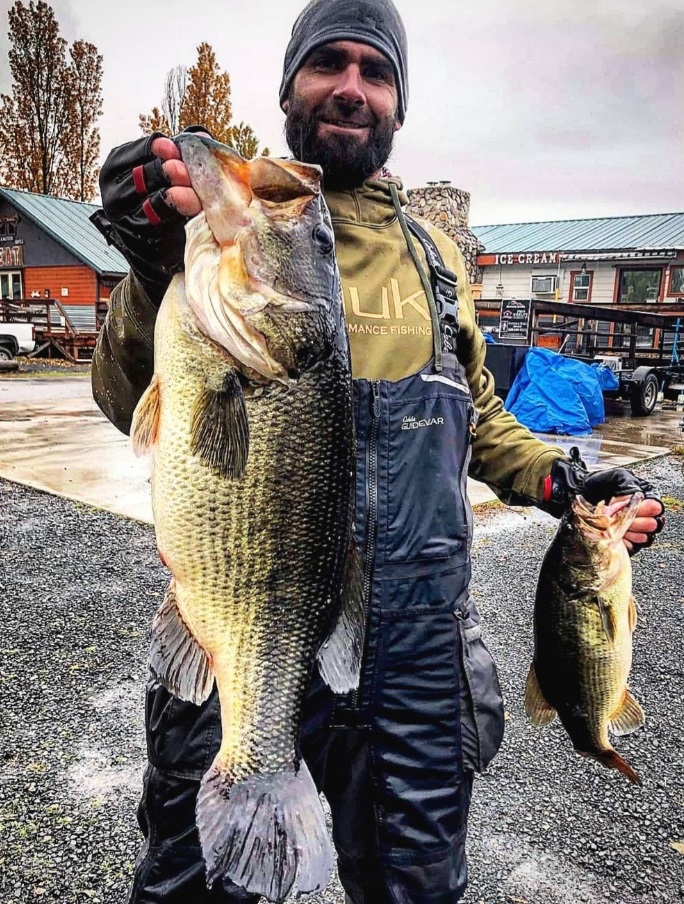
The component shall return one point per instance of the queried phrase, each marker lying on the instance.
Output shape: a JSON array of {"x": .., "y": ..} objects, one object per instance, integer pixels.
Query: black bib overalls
[{"x": 395, "y": 760}]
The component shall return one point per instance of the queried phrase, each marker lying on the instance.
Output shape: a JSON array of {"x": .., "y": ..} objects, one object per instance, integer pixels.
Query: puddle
[{"x": 93, "y": 777}]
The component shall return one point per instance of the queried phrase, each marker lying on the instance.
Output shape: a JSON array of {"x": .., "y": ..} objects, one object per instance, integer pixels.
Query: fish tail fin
[
  {"x": 266, "y": 832},
  {"x": 339, "y": 659},
  {"x": 612, "y": 759},
  {"x": 220, "y": 427},
  {"x": 145, "y": 425},
  {"x": 538, "y": 709},
  {"x": 177, "y": 660},
  {"x": 628, "y": 716}
]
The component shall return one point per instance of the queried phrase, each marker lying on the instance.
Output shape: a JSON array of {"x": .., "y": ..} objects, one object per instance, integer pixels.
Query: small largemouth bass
[
  {"x": 584, "y": 617},
  {"x": 249, "y": 422}
]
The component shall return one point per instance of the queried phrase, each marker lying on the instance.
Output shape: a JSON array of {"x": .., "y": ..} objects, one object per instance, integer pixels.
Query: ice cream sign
[{"x": 530, "y": 258}]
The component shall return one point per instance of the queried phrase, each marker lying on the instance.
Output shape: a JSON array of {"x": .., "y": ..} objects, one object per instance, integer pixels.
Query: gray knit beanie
[{"x": 373, "y": 22}]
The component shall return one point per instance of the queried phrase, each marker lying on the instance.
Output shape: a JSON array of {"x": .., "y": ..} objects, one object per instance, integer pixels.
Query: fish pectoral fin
[
  {"x": 538, "y": 709},
  {"x": 339, "y": 659},
  {"x": 177, "y": 660},
  {"x": 632, "y": 614},
  {"x": 220, "y": 427},
  {"x": 145, "y": 424},
  {"x": 607, "y": 618},
  {"x": 628, "y": 717}
]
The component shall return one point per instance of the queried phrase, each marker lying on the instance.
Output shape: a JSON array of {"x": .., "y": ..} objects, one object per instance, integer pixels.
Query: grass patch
[
  {"x": 672, "y": 504},
  {"x": 678, "y": 451}
]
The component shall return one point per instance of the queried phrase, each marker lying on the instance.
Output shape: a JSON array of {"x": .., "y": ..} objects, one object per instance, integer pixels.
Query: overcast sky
[{"x": 542, "y": 109}]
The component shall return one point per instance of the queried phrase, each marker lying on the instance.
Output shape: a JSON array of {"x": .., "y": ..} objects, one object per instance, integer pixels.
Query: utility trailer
[
  {"x": 53, "y": 327},
  {"x": 640, "y": 347}
]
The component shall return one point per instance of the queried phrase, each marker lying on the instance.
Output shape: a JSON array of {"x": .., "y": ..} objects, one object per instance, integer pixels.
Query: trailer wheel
[{"x": 644, "y": 396}]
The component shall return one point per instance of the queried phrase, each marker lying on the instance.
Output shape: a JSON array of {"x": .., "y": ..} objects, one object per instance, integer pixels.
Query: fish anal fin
[
  {"x": 632, "y": 614},
  {"x": 177, "y": 660},
  {"x": 266, "y": 832},
  {"x": 145, "y": 425},
  {"x": 220, "y": 428},
  {"x": 628, "y": 717},
  {"x": 339, "y": 659},
  {"x": 538, "y": 709}
]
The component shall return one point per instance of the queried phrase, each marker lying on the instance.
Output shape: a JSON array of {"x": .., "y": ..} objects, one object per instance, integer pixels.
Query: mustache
[{"x": 336, "y": 111}]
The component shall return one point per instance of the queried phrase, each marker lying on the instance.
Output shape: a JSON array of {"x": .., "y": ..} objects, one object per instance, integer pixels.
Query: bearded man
[{"x": 395, "y": 760}]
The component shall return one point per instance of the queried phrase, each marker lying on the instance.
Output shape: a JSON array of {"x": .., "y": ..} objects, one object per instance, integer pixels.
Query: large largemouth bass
[
  {"x": 584, "y": 617},
  {"x": 249, "y": 420}
]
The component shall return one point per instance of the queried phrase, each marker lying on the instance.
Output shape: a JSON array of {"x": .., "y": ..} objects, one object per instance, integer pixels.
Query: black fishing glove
[
  {"x": 136, "y": 217},
  {"x": 570, "y": 477}
]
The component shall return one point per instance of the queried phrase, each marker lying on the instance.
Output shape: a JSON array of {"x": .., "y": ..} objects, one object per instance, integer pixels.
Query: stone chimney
[{"x": 448, "y": 209}]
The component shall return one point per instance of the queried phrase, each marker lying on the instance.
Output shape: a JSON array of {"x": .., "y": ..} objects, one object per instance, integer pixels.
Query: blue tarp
[
  {"x": 606, "y": 376},
  {"x": 553, "y": 394}
]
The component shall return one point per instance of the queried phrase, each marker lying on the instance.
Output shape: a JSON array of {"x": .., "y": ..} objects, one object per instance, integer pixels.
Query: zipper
[{"x": 372, "y": 520}]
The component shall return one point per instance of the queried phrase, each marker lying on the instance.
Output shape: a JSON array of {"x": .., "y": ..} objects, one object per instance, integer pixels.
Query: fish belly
[{"x": 257, "y": 564}]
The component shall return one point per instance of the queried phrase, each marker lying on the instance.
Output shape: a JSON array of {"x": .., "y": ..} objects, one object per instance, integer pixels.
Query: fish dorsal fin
[
  {"x": 145, "y": 425},
  {"x": 628, "y": 717},
  {"x": 177, "y": 660},
  {"x": 220, "y": 427},
  {"x": 538, "y": 709}
]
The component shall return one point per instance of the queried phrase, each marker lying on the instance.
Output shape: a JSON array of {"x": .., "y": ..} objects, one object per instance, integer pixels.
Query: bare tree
[
  {"x": 86, "y": 107},
  {"x": 174, "y": 93}
]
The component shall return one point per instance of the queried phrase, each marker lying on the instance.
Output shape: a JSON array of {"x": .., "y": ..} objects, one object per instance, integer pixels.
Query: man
[{"x": 396, "y": 759}]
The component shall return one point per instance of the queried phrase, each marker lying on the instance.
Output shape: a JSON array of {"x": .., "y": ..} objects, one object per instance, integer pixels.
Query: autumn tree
[
  {"x": 49, "y": 141},
  {"x": 85, "y": 110},
  {"x": 201, "y": 96}
]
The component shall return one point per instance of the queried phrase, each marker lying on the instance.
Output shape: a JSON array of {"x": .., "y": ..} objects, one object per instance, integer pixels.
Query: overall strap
[{"x": 444, "y": 285}]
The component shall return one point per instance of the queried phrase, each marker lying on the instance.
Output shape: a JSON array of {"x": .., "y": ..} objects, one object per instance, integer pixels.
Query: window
[
  {"x": 676, "y": 286},
  {"x": 580, "y": 285},
  {"x": 640, "y": 286},
  {"x": 8, "y": 227},
  {"x": 10, "y": 285}
]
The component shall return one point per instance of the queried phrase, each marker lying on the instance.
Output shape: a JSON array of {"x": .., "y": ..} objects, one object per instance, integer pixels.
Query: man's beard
[{"x": 346, "y": 161}]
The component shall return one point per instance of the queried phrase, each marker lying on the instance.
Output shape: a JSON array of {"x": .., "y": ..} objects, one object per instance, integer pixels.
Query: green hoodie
[{"x": 390, "y": 337}]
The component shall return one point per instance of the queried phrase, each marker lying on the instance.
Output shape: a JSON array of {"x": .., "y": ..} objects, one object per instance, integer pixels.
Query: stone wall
[{"x": 448, "y": 208}]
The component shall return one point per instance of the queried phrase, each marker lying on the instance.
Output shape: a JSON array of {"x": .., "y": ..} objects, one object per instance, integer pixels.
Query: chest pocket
[{"x": 427, "y": 454}]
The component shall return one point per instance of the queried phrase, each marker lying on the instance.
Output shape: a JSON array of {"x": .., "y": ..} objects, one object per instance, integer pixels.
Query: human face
[{"x": 342, "y": 112}]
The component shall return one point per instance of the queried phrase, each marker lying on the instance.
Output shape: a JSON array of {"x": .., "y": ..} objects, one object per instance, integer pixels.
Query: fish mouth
[
  {"x": 223, "y": 286},
  {"x": 606, "y": 521}
]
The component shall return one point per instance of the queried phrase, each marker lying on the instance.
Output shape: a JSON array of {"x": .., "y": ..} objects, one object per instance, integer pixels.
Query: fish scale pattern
[{"x": 258, "y": 561}]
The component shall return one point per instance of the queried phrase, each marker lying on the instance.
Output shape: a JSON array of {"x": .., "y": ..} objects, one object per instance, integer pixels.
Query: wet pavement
[{"x": 54, "y": 438}]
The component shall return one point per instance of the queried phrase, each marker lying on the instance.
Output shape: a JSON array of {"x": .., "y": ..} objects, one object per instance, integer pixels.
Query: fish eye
[{"x": 324, "y": 238}]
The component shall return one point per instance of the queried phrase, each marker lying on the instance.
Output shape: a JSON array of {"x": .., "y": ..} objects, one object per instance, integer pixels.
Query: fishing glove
[
  {"x": 136, "y": 218},
  {"x": 570, "y": 477}
]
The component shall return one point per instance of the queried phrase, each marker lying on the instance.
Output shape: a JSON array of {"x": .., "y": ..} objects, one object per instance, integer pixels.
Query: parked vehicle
[{"x": 16, "y": 339}]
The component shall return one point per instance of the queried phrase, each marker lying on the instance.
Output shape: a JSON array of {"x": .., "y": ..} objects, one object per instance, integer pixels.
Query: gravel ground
[
  {"x": 78, "y": 589},
  {"x": 47, "y": 367}
]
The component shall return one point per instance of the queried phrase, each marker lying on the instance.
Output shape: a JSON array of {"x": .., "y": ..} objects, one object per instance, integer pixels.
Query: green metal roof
[
  {"x": 67, "y": 223},
  {"x": 651, "y": 231}
]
